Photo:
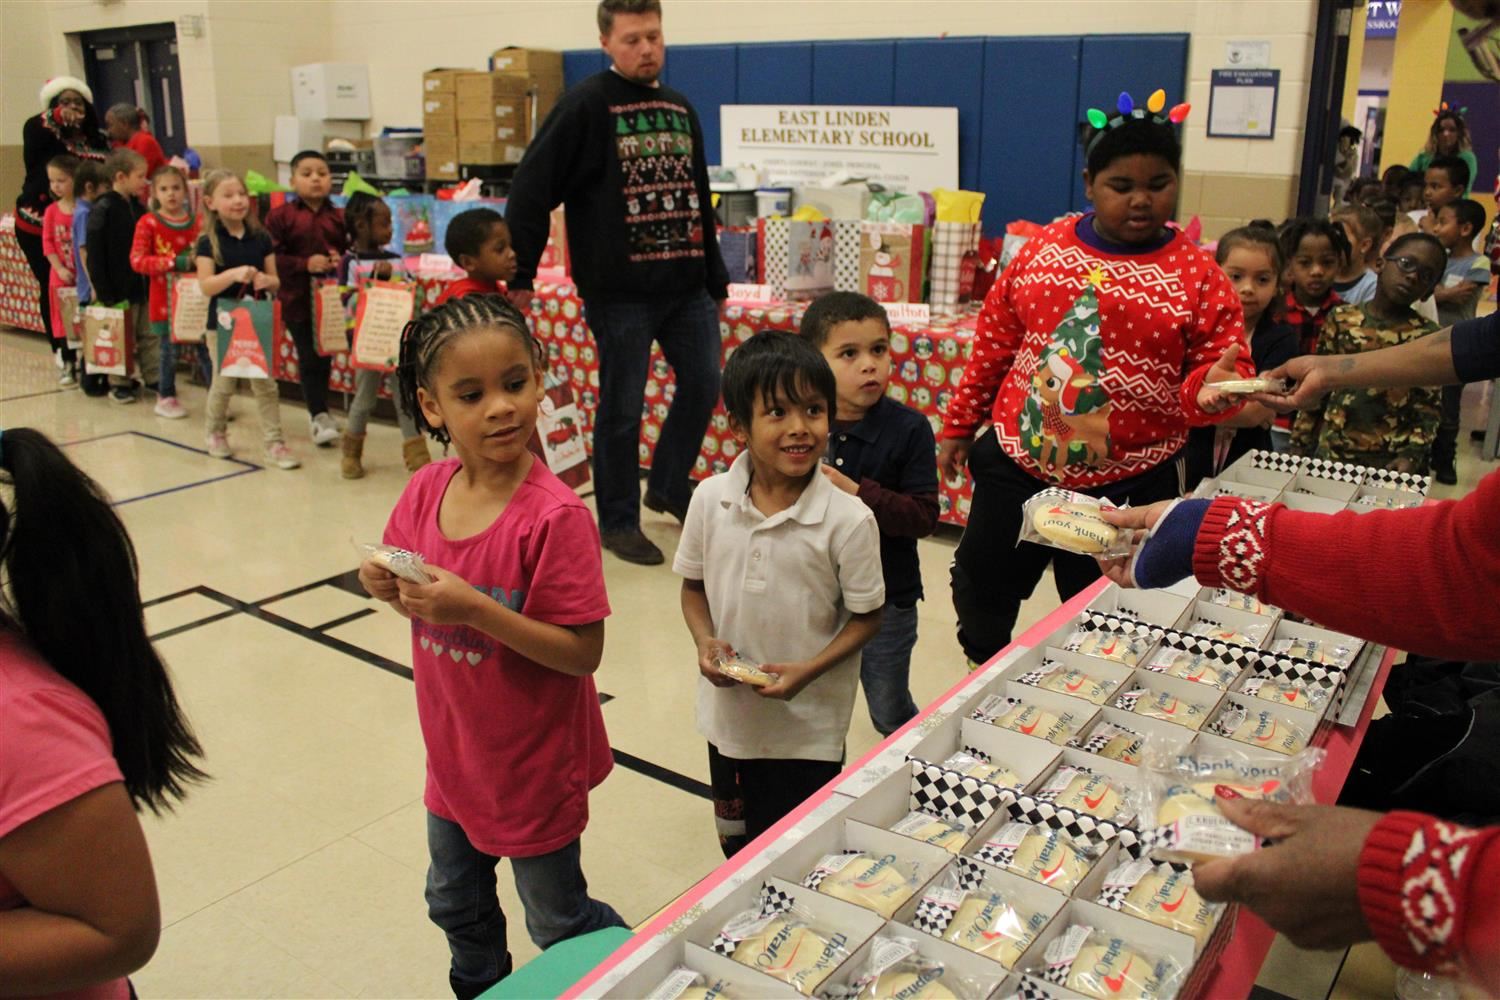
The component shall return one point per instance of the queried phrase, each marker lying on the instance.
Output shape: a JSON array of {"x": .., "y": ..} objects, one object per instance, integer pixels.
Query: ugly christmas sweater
[
  {"x": 1088, "y": 357},
  {"x": 162, "y": 245}
]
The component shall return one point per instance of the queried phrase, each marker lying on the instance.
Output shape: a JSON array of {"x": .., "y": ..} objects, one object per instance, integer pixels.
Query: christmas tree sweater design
[
  {"x": 654, "y": 146},
  {"x": 1089, "y": 362}
]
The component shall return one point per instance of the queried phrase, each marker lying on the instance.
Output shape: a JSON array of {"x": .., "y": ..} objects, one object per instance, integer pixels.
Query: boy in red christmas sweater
[
  {"x": 1091, "y": 359},
  {"x": 164, "y": 241}
]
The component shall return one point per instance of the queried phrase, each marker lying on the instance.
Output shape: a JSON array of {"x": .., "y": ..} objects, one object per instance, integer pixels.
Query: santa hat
[
  {"x": 1065, "y": 367},
  {"x": 58, "y": 84}
]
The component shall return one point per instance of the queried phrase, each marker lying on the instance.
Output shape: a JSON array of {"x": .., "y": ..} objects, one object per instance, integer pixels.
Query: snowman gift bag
[{"x": 891, "y": 255}]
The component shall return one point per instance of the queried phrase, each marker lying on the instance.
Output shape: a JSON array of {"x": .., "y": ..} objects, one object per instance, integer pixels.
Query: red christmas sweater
[
  {"x": 1089, "y": 362},
  {"x": 160, "y": 246}
]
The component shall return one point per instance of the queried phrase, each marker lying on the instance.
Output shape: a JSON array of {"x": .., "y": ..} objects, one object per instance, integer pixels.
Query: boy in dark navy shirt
[{"x": 885, "y": 454}]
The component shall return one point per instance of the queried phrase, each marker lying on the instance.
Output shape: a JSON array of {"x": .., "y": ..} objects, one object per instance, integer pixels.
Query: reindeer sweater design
[{"x": 1089, "y": 361}]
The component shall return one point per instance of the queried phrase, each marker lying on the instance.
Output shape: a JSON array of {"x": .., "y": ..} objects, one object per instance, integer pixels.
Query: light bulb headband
[{"x": 1127, "y": 112}]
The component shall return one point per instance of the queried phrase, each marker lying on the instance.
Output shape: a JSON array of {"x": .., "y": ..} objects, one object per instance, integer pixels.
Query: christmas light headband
[
  {"x": 1443, "y": 109},
  {"x": 1127, "y": 112}
]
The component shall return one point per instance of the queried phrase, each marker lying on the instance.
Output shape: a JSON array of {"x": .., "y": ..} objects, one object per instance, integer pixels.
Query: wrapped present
[
  {"x": 951, "y": 243},
  {"x": 803, "y": 260},
  {"x": 891, "y": 255}
]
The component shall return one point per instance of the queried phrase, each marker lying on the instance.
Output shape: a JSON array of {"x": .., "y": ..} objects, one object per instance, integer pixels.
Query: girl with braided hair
[{"x": 506, "y": 636}]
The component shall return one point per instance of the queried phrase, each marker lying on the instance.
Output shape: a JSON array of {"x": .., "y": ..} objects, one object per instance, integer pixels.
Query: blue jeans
[
  {"x": 167, "y": 374},
  {"x": 885, "y": 669},
  {"x": 687, "y": 327},
  {"x": 461, "y": 900}
]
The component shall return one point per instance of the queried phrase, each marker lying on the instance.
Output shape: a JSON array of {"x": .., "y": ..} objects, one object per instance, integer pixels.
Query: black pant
[
  {"x": 31, "y": 246},
  {"x": 1445, "y": 445},
  {"x": 992, "y": 575},
  {"x": 312, "y": 368},
  {"x": 751, "y": 796}
]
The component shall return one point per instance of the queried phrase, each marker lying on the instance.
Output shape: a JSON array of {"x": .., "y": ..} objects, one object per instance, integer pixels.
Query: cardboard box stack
[
  {"x": 486, "y": 118},
  {"x": 440, "y": 122}
]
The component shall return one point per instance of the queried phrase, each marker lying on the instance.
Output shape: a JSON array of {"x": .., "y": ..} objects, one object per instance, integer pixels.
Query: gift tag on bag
[
  {"x": 246, "y": 333},
  {"x": 187, "y": 309},
  {"x": 385, "y": 307},
  {"x": 330, "y": 321},
  {"x": 67, "y": 316},
  {"x": 108, "y": 342}
]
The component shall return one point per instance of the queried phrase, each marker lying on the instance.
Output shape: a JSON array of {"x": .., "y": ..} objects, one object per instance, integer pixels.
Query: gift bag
[
  {"x": 737, "y": 246},
  {"x": 108, "y": 341},
  {"x": 555, "y": 254},
  {"x": 803, "y": 260},
  {"x": 891, "y": 255},
  {"x": 385, "y": 307},
  {"x": 330, "y": 321},
  {"x": 247, "y": 330},
  {"x": 559, "y": 423},
  {"x": 951, "y": 241},
  {"x": 187, "y": 309},
  {"x": 68, "y": 319}
]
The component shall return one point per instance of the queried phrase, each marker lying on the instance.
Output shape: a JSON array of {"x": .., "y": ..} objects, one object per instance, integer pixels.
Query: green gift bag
[{"x": 247, "y": 336}]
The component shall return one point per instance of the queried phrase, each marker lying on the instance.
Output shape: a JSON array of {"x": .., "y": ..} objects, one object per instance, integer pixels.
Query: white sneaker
[
  {"x": 282, "y": 456},
  {"x": 168, "y": 407},
  {"x": 218, "y": 446},
  {"x": 67, "y": 380},
  {"x": 324, "y": 431}
]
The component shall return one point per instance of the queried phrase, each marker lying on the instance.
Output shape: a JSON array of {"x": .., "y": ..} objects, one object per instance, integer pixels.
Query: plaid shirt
[{"x": 1308, "y": 322}]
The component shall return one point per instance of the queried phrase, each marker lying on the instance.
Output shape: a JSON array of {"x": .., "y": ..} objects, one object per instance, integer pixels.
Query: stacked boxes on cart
[
  {"x": 483, "y": 119},
  {"x": 1045, "y": 740}
]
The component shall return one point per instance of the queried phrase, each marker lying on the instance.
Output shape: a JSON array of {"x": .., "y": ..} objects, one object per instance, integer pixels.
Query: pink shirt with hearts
[{"x": 512, "y": 747}]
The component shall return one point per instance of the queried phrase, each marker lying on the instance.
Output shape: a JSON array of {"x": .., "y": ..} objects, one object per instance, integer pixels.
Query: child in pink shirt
[
  {"x": 57, "y": 244},
  {"x": 505, "y": 640},
  {"x": 89, "y": 733}
]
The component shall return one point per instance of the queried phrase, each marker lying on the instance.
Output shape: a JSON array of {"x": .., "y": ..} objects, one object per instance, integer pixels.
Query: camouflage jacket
[{"x": 1384, "y": 428}]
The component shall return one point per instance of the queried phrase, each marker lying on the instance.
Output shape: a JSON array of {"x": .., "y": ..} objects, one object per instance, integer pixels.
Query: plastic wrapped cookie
[
  {"x": 1026, "y": 719},
  {"x": 1261, "y": 729},
  {"x": 1126, "y": 649},
  {"x": 1082, "y": 791},
  {"x": 984, "y": 920},
  {"x": 689, "y": 984},
  {"x": 1163, "y": 895},
  {"x": 1055, "y": 676},
  {"x": 1240, "y": 602},
  {"x": 1288, "y": 692},
  {"x": 896, "y": 969},
  {"x": 975, "y": 766},
  {"x": 1071, "y": 521},
  {"x": 1335, "y": 654},
  {"x": 1100, "y": 965},
  {"x": 786, "y": 946},
  {"x": 1165, "y": 706},
  {"x": 1195, "y": 667},
  {"x": 948, "y": 834},
  {"x": 1115, "y": 742},
  {"x": 876, "y": 883},
  {"x": 1249, "y": 635},
  {"x": 1041, "y": 853},
  {"x": 406, "y": 565}
]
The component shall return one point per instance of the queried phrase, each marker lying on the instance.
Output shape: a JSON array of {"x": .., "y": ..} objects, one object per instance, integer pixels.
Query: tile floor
[{"x": 298, "y": 870}]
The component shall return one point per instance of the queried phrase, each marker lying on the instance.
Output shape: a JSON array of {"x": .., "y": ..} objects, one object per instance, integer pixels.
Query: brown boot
[
  {"x": 354, "y": 449},
  {"x": 414, "y": 451}
]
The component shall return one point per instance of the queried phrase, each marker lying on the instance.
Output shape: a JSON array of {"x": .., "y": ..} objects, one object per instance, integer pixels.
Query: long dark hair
[{"x": 74, "y": 595}]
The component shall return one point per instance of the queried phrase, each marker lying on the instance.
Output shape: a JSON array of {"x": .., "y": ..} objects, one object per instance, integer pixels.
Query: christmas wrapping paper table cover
[{"x": 19, "y": 294}]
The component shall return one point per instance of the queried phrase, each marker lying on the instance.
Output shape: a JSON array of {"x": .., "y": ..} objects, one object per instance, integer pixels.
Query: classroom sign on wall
[{"x": 905, "y": 149}]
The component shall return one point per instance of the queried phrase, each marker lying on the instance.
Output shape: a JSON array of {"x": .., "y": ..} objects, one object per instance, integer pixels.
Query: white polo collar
[{"x": 811, "y": 507}]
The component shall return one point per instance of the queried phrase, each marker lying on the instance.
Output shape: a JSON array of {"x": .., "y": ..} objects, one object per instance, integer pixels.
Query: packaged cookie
[
  {"x": 1126, "y": 649},
  {"x": 1249, "y": 635},
  {"x": 742, "y": 670},
  {"x": 1115, "y": 742},
  {"x": 1081, "y": 790},
  {"x": 689, "y": 984},
  {"x": 406, "y": 565},
  {"x": 1098, "y": 964},
  {"x": 1165, "y": 706},
  {"x": 1196, "y": 667},
  {"x": 897, "y": 970},
  {"x": 1041, "y": 853},
  {"x": 948, "y": 834},
  {"x": 1026, "y": 719},
  {"x": 979, "y": 917},
  {"x": 976, "y": 765},
  {"x": 1055, "y": 676},
  {"x": 1072, "y": 522},
  {"x": 785, "y": 945},
  {"x": 1334, "y": 654},
  {"x": 880, "y": 883},
  {"x": 1288, "y": 691},
  {"x": 1240, "y": 602},
  {"x": 1261, "y": 729},
  {"x": 1163, "y": 895}
]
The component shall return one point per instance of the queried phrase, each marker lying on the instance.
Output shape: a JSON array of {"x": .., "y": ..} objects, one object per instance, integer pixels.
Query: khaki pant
[
  {"x": 267, "y": 399},
  {"x": 147, "y": 351}
]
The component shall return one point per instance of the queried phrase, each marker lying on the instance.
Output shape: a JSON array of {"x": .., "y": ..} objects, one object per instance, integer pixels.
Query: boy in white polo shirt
[{"x": 782, "y": 569}]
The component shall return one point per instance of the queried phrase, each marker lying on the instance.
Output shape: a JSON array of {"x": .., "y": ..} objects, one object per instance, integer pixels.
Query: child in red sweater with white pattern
[
  {"x": 163, "y": 244},
  {"x": 1091, "y": 359}
]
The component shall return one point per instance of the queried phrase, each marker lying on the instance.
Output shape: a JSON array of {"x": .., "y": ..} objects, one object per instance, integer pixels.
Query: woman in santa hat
[{"x": 67, "y": 124}]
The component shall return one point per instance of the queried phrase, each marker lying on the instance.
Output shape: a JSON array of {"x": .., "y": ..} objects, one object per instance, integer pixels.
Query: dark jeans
[
  {"x": 31, "y": 247},
  {"x": 885, "y": 669},
  {"x": 1445, "y": 445},
  {"x": 312, "y": 368},
  {"x": 687, "y": 328},
  {"x": 992, "y": 575},
  {"x": 751, "y": 796},
  {"x": 461, "y": 900}
]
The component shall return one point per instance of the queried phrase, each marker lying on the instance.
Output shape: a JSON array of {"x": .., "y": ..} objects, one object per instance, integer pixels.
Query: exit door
[{"x": 138, "y": 65}]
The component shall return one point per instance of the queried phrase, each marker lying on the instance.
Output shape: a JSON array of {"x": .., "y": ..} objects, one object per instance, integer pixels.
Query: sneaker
[
  {"x": 282, "y": 456},
  {"x": 121, "y": 396},
  {"x": 168, "y": 407},
  {"x": 633, "y": 547},
  {"x": 324, "y": 431},
  {"x": 218, "y": 445},
  {"x": 67, "y": 380}
]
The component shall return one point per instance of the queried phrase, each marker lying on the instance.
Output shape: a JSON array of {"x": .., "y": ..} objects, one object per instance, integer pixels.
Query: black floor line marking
[
  {"x": 355, "y": 616},
  {"x": 630, "y": 762},
  {"x": 31, "y": 395}
]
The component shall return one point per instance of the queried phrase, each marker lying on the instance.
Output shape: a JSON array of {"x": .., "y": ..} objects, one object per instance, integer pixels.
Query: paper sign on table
[
  {"x": 751, "y": 293},
  {"x": 908, "y": 313}
]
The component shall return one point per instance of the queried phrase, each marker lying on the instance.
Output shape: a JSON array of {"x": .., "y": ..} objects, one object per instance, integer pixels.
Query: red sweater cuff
[
  {"x": 1232, "y": 545},
  {"x": 1381, "y": 896}
]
